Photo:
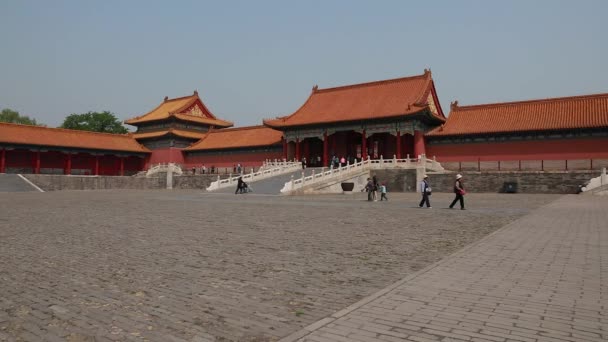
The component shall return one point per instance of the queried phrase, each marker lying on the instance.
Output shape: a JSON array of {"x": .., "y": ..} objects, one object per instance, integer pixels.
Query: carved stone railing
[
  {"x": 164, "y": 167},
  {"x": 365, "y": 165},
  {"x": 268, "y": 169},
  {"x": 597, "y": 184}
]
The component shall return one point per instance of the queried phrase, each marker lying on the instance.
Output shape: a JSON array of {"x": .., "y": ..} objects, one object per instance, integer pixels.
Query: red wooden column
[
  {"x": 363, "y": 145},
  {"x": 3, "y": 161},
  {"x": 37, "y": 163},
  {"x": 297, "y": 149},
  {"x": 284, "y": 147},
  {"x": 398, "y": 149},
  {"x": 96, "y": 171},
  {"x": 122, "y": 166},
  {"x": 68, "y": 164},
  {"x": 144, "y": 162},
  {"x": 418, "y": 144},
  {"x": 325, "y": 150}
]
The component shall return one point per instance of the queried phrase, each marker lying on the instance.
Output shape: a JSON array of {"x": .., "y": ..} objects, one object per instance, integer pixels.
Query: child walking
[{"x": 383, "y": 192}]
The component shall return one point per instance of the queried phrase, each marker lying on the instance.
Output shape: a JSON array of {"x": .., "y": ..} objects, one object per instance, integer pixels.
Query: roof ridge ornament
[
  {"x": 195, "y": 93},
  {"x": 315, "y": 88},
  {"x": 454, "y": 105},
  {"x": 166, "y": 99},
  {"x": 427, "y": 71}
]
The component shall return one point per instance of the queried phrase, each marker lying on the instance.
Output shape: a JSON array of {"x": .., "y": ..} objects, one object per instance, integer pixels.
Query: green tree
[
  {"x": 105, "y": 122},
  {"x": 11, "y": 116}
]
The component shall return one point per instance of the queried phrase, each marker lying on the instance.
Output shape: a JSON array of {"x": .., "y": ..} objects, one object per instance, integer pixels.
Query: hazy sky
[{"x": 251, "y": 60}]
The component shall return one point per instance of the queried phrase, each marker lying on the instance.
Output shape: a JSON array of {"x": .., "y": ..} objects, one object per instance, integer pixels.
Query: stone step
[{"x": 273, "y": 185}]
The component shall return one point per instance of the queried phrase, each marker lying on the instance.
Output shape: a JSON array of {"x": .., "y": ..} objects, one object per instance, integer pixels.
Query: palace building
[
  {"x": 35, "y": 149},
  {"x": 562, "y": 128},
  {"x": 383, "y": 119},
  {"x": 174, "y": 125}
]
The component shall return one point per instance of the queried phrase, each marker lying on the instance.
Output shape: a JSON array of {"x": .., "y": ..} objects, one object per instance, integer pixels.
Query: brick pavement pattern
[
  {"x": 189, "y": 266},
  {"x": 543, "y": 277}
]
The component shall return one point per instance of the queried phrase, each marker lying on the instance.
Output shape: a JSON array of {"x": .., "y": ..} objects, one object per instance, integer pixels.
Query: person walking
[
  {"x": 383, "y": 192},
  {"x": 239, "y": 186},
  {"x": 375, "y": 189},
  {"x": 369, "y": 188},
  {"x": 425, "y": 189},
  {"x": 459, "y": 191}
]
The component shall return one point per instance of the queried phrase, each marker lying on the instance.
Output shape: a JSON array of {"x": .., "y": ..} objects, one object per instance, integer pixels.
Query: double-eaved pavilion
[
  {"x": 377, "y": 119},
  {"x": 173, "y": 125}
]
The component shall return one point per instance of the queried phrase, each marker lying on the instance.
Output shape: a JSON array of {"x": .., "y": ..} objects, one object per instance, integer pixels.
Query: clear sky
[{"x": 251, "y": 60}]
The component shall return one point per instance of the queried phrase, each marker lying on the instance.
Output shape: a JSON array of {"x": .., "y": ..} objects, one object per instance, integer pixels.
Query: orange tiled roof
[
  {"x": 250, "y": 136},
  {"x": 588, "y": 111},
  {"x": 187, "y": 108},
  {"x": 381, "y": 99},
  {"x": 177, "y": 132},
  {"x": 58, "y": 137}
]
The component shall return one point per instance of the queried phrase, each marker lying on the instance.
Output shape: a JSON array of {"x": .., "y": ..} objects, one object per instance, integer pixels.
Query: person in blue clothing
[
  {"x": 425, "y": 189},
  {"x": 383, "y": 192}
]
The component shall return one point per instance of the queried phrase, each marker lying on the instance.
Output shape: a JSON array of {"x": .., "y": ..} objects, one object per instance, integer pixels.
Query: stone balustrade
[
  {"x": 268, "y": 169},
  {"x": 164, "y": 167},
  {"x": 365, "y": 165}
]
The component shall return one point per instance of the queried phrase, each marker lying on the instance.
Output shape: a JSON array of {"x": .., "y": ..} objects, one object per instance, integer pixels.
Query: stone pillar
[
  {"x": 122, "y": 166},
  {"x": 3, "y": 161},
  {"x": 325, "y": 150},
  {"x": 363, "y": 146},
  {"x": 398, "y": 154},
  {"x": 170, "y": 176},
  {"x": 37, "y": 163},
  {"x": 298, "y": 157},
  {"x": 419, "y": 148},
  {"x": 68, "y": 164}
]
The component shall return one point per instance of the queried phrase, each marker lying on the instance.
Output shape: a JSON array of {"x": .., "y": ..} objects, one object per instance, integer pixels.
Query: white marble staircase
[{"x": 350, "y": 171}]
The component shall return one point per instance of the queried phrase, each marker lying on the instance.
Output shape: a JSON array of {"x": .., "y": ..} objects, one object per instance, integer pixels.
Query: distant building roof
[
  {"x": 187, "y": 108},
  {"x": 251, "y": 136},
  {"x": 576, "y": 112},
  {"x": 366, "y": 101},
  {"x": 58, "y": 137}
]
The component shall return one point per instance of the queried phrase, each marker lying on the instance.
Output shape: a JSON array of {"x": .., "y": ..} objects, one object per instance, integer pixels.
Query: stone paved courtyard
[{"x": 175, "y": 266}]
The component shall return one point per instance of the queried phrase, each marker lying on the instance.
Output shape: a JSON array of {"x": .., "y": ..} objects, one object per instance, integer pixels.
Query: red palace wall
[
  {"x": 166, "y": 155},
  {"x": 521, "y": 150},
  {"x": 81, "y": 163},
  {"x": 246, "y": 159}
]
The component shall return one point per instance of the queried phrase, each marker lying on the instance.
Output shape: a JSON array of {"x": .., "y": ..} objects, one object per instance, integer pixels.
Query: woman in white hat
[
  {"x": 425, "y": 189},
  {"x": 459, "y": 191}
]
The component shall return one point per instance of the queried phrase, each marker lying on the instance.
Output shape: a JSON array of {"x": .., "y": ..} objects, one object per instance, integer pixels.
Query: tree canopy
[
  {"x": 105, "y": 122},
  {"x": 11, "y": 116}
]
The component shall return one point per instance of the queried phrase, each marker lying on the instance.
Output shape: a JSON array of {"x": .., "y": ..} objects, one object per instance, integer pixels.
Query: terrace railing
[
  {"x": 598, "y": 183},
  {"x": 164, "y": 167}
]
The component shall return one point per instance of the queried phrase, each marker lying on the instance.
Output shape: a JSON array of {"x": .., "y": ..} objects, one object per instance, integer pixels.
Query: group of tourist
[
  {"x": 203, "y": 170},
  {"x": 372, "y": 187},
  {"x": 426, "y": 191}
]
